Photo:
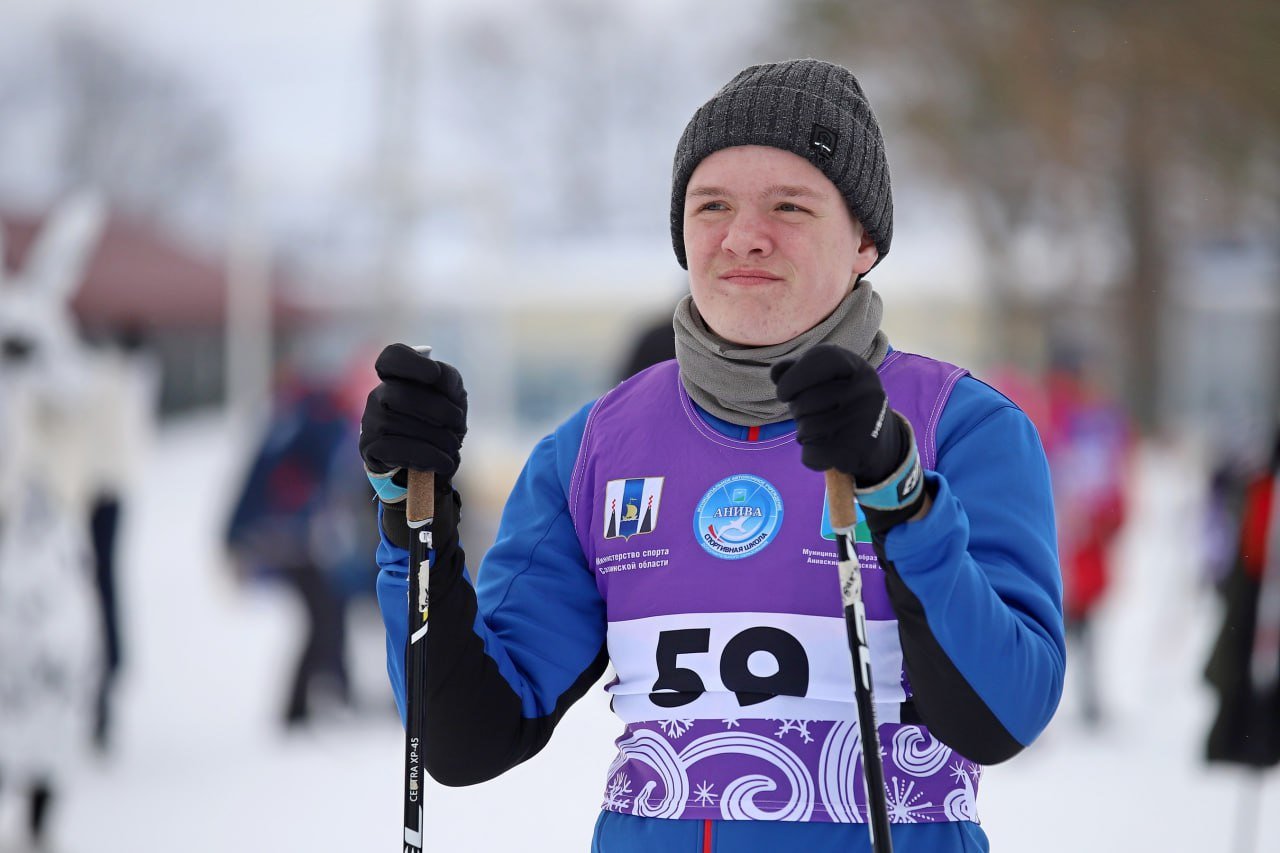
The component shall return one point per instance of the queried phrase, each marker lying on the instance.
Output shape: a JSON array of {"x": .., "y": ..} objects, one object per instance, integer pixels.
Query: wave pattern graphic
[{"x": 784, "y": 770}]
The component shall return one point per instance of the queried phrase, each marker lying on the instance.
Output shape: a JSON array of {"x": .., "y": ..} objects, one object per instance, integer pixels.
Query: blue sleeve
[
  {"x": 979, "y": 592},
  {"x": 507, "y": 657}
]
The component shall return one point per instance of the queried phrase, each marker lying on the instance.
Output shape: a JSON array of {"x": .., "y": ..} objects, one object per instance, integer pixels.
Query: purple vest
[{"x": 717, "y": 566}]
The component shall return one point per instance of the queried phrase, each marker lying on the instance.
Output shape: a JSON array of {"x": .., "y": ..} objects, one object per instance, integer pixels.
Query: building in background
[{"x": 145, "y": 288}]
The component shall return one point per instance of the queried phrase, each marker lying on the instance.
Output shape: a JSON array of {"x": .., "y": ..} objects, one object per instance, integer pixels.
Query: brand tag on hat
[{"x": 823, "y": 140}]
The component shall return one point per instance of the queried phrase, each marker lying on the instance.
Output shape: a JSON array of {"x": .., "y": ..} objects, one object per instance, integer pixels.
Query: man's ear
[{"x": 867, "y": 255}]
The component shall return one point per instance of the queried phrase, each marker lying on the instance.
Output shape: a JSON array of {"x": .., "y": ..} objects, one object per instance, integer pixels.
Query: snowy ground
[{"x": 201, "y": 764}]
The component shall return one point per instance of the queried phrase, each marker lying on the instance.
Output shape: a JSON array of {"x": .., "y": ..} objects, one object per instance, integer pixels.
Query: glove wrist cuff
[
  {"x": 387, "y": 490},
  {"x": 900, "y": 489}
]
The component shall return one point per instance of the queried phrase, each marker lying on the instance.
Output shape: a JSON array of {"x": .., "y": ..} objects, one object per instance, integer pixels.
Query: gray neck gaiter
[{"x": 731, "y": 381}]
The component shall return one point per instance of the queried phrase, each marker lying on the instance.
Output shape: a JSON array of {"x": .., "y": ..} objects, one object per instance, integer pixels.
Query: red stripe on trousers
[{"x": 706, "y": 824}]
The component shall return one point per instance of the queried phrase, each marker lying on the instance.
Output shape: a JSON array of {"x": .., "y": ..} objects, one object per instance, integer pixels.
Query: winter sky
[
  {"x": 283, "y": 70},
  {"x": 297, "y": 82},
  {"x": 296, "y": 77}
]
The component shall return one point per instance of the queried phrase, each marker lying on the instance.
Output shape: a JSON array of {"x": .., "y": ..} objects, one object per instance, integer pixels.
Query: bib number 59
[{"x": 678, "y": 685}]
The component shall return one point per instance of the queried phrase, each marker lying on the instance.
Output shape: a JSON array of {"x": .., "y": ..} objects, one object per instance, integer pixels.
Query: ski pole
[
  {"x": 843, "y": 520},
  {"x": 420, "y": 513}
]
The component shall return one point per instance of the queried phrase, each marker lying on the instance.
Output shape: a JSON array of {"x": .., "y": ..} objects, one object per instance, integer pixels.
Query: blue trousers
[{"x": 622, "y": 833}]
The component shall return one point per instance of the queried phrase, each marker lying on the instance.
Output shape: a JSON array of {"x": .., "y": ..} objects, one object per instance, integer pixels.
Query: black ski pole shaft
[
  {"x": 420, "y": 513},
  {"x": 843, "y": 520}
]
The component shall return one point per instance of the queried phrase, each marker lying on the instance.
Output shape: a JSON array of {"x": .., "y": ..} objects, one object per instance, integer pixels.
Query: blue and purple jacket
[{"x": 696, "y": 556}]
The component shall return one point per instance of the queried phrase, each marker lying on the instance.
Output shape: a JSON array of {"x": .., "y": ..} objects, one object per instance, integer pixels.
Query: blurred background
[{"x": 212, "y": 216}]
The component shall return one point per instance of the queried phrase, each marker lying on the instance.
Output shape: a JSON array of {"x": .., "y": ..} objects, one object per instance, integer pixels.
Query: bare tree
[{"x": 142, "y": 135}]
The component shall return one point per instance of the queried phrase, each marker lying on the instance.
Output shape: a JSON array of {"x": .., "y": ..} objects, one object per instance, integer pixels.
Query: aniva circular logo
[{"x": 738, "y": 516}]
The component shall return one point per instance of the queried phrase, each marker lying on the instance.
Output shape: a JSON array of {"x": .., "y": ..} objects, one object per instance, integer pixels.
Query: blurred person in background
[
  {"x": 654, "y": 344},
  {"x": 1244, "y": 664},
  {"x": 127, "y": 372},
  {"x": 1237, "y": 464},
  {"x": 677, "y": 527},
  {"x": 1244, "y": 667},
  {"x": 54, "y": 431},
  {"x": 304, "y": 518},
  {"x": 1089, "y": 444}
]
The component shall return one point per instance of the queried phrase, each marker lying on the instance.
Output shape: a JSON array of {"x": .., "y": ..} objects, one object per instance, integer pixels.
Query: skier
[
  {"x": 1089, "y": 447},
  {"x": 303, "y": 480},
  {"x": 1244, "y": 664},
  {"x": 719, "y": 608},
  {"x": 1244, "y": 667},
  {"x": 1088, "y": 442}
]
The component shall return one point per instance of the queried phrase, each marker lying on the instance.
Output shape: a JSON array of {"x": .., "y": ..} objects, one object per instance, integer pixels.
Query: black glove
[
  {"x": 842, "y": 415},
  {"x": 843, "y": 421},
  {"x": 416, "y": 417}
]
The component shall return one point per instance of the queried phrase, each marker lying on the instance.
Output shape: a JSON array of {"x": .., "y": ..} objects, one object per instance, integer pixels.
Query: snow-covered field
[{"x": 201, "y": 764}]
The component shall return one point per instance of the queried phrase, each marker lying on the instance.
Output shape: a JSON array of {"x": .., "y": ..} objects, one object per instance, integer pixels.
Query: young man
[{"x": 677, "y": 527}]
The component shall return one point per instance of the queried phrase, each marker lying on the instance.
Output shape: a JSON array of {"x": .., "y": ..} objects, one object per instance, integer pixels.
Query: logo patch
[
  {"x": 631, "y": 506},
  {"x": 823, "y": 140},
  {"x": 737, "y": 517},
  {"x": 861, "y": 532},
  {"x": 909, "y": 482}
]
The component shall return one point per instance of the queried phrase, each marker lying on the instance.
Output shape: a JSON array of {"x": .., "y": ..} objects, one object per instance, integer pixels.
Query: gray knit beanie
[{"x": 808, "y": 107}]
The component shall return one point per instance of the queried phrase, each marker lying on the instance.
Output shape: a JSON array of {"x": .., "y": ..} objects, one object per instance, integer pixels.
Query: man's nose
[{"x": 747, "y": 233}]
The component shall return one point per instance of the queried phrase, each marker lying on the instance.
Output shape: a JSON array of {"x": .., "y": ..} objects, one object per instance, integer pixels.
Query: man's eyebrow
[{"x": 789, "y": 191}]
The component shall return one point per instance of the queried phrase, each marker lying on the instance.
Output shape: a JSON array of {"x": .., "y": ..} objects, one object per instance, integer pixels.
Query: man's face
[{"x": 772, "y": 248}]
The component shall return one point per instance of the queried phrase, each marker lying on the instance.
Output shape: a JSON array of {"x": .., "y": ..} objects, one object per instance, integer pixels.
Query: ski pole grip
[
  {"x": 840, "y": 499},
  {"x": 420, "y": 505}
]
